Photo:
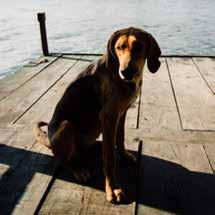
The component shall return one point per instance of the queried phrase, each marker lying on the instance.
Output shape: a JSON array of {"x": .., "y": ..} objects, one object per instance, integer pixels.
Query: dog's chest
[{"x": 127, "y": 101}]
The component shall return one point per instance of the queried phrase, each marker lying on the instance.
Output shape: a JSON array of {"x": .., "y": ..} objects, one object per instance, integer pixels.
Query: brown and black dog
[{"x": 97, "y": 102}]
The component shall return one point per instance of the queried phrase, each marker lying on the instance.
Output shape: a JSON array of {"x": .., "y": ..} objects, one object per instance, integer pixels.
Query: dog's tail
[{"x": 41, "y": 136}]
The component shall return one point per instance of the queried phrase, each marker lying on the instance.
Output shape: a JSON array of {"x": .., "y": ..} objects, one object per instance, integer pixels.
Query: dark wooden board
[
  {"x": 175, "y": 178},
  {"x": 12, "y": 82},
  {"x": 24, "y": 97}
]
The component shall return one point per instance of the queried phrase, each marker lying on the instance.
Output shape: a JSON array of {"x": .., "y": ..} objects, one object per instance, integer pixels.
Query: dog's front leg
[
  {"x": 109, "y": 121},
  {"x": 120, "y": 139}
]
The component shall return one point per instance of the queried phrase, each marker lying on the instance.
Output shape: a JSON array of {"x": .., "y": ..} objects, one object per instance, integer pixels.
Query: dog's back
[{"x": 81, "y": 102}]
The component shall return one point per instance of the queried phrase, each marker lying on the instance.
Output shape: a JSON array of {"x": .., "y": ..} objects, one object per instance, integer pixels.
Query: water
[{"x": 180, "y": 27}]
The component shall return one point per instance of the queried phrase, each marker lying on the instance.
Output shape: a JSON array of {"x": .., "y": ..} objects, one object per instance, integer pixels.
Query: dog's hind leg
[
  {"x": 67, "y": 146},
  {"x": 64, "y": 143}
]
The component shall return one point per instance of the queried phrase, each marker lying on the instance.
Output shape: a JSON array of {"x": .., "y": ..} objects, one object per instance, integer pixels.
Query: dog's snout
[{"x": 127, "y": 73}]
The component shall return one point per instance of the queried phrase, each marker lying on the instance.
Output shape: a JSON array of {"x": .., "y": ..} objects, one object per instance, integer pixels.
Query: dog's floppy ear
[
  {"x": 153, "y": 54},
  {"x": 111, "y": 59}
]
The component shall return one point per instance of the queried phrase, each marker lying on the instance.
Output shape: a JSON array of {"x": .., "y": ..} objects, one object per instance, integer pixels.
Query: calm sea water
[{"x": 180, "y": 26}]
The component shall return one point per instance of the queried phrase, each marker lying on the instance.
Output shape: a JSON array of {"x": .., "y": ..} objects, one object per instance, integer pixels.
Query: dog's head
[{"x": 128, "y": 50}]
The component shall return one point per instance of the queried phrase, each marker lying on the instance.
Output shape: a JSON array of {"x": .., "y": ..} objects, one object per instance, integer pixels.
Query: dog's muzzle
[{"x": 127, "y": 74}]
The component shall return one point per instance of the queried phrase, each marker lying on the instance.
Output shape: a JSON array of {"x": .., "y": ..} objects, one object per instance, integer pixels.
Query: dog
[{"x": 97, "y": 102}]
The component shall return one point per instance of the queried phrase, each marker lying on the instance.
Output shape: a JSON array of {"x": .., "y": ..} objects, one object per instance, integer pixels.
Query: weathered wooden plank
[
  {"x": 23, "y": 189},
  {"x": 23, "y": 75},
  {"x": 11, "y": 160},
  {"x": 195, "y": 101},
  {"x": 34, "y": 180},
  {"x": 153, "y": 211},
  {"x": 25, "y": 185},
  {"x": 208, "y": 137},
  {"x": 210, "y": 151},
  {"x": 24, "y": 97},
  {"x": 99, "y": 205},
  {"x": 206, "y": 67},
  {"x": 13, "y": 145},
  {"x": 195, "y": 137},
  {"x": 132, "y": 115},
  {"x": 39, "y": 181},
  {"x": 159, "y": 118},
  {"x": 61, "y": 202},
  {"x": 44, "y": 108},
  {"x": 158, "y": 114},
  {"x": 68, "y": 197},
  {"x": 176, "y": 178},
  {"x": 28, "y": 185}
]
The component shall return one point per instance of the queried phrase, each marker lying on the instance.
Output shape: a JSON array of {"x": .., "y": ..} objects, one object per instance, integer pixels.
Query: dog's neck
[{"x": 132, "y": 85}]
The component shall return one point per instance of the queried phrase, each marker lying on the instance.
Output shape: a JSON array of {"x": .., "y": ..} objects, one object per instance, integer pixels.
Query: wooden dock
[{"x": 174, "y": 116}]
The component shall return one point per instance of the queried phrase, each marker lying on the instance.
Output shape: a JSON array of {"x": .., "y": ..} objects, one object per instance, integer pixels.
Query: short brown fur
[{"x": 97, "y": 102}]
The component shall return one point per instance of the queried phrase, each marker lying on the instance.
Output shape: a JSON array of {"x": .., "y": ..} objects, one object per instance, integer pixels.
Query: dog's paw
[
  {"x": 116, "y": 196},
  {"x": 128, "y": 157},
  {"x": 119, "y": 194}
]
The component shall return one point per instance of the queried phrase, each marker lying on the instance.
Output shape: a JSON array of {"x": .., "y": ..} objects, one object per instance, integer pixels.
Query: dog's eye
[{"x": 121, "y": 47}]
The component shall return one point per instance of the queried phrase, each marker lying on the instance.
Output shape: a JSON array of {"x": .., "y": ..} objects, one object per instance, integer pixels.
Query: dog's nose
[{"x": 127, "y": 73}]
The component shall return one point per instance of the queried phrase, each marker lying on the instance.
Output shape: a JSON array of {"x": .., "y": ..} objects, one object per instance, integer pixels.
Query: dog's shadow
[{"x": 162, "y": 184}]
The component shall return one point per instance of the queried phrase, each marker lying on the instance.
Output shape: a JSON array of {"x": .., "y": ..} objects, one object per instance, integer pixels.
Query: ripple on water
[{"x": 181, "y": 27}]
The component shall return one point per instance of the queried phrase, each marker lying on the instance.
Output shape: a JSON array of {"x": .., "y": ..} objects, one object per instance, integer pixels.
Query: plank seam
[
  {"x": 203, "y": 145},
  {"x": 185, "y": 141},
  {"x": 45, "y": 92},
  {"x": 75, "y": 58},
  {"x": 205, "y": 80},
  {"x": 11, "y": 171},
  {"x": 173, "y": 91},
  {"x": 138, "y": 110},
  {"x": 49, "y": 187},
  {"x": 100, "y": 54},
  {"x": 205, "y": 130},
  {"x": 26, "y": 81},
  {"x": 139, "y": 153}
]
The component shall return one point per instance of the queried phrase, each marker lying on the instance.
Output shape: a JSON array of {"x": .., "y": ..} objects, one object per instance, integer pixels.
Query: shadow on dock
[{"x": 164, "y": 185}]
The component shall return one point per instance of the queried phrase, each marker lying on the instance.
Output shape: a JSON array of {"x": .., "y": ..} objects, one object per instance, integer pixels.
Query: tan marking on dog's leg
[
  {"x": 119, "y": 194},
  {"x": 109, "y": 128}
]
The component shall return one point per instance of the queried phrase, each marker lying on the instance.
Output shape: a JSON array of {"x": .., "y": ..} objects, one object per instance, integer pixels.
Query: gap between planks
[
  {"x": 44, "y": 92},
  {"x": 9, "y": 178},
  {"x": 194, "y": 99},
  {"x": 176, "y": 178},
  {"x": 19, "y": 101},
  {"x": 20, "y": 208},
  {"x": 13, "y": 82},
  {"x": 206, "y": 68}
]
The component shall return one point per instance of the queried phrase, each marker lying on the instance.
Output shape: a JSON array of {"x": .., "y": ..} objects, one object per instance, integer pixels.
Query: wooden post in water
[{"x": 42, "y": 18}]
